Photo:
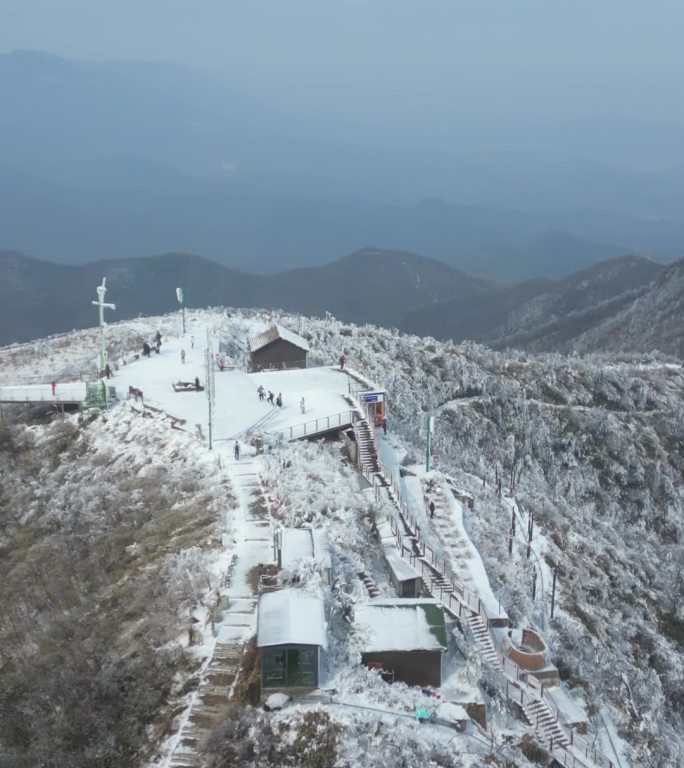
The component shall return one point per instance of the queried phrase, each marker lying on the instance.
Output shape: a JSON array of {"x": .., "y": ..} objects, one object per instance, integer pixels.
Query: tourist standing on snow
[
  {"x": 279, "y": 400},
  {"x": 197, "y": 383},
  {"x": 183, "y": 356},
  {"x": 270, "y": 397},
  {"x": 302, "y": 405},
  {"x": 54, "y": 388},
  {"x": 432, "y": 508},
  {"x": 236, "y": 451},
  {"x": 343, "y": 359},
  {"x": 108, "y": 371},
  {"x": 384, "y": 424},
  {"x": 261, "y": 392}
]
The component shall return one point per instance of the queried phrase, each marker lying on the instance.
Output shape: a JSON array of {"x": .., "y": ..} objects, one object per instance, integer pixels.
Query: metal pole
[
  {"x": 102, "y": 305},
  {"x": 530, "y": 531},
  {"x": 428, "y": 426},
  {"x": 180, "y": 295},
  {"x": 209, "y": 376}
]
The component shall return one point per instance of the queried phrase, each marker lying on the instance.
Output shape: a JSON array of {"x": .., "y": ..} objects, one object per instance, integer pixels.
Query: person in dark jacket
[
  {"x": 236, "y": 450},
  {"x": 197, "y": 383},
  {"x": 279, "y": 400},
  {"x": 432, "y": 508},
  {"x": 270, "y": 397}
]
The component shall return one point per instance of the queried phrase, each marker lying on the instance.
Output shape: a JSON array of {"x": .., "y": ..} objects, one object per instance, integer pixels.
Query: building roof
[
  {"x": 290, "y": 617},
  {"x": 274, "y": 333},
  {"x": 402, "y": 570},
  {"x": 397, "y": 624},
  {"x": 302, "y": 543}
]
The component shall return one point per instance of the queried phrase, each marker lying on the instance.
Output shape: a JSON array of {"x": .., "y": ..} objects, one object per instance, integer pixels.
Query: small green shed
[{"x": 291, "y": 638}]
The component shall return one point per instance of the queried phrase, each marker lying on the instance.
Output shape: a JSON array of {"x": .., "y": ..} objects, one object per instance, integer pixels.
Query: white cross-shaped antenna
[{"x": 101, "y": 290}]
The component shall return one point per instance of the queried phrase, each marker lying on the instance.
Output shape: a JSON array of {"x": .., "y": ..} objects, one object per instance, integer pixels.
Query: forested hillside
[
  {"x": 108, "y": 532},
  {"x": 595, "y": 448},
  {"x": 592, "y": 447}
]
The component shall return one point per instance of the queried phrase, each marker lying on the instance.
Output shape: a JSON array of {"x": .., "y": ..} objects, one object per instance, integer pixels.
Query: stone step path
[
  {"x": 368, "y": 453},
  {"x": 236, "y": 623},
  {"x": 369, "y": 584}
]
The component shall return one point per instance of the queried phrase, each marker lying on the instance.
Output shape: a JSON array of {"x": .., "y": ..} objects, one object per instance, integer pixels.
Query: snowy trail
[{"x": 237, "y": 624}]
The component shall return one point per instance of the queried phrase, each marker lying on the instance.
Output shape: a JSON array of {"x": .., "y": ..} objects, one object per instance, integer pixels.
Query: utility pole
[
  {"x": 101, "y": 291},
  {"x": 429, "y": 426},
  {"x": 553, "y": 591},
  {"x": 181, "y": 300},
  {"x": 209, "y": 382}
]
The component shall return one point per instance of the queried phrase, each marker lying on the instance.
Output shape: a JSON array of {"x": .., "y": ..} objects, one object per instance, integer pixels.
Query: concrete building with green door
[{"x": 291, "y": 638}]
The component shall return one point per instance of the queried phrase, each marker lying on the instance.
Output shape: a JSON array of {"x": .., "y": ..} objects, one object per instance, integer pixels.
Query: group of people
[
  {"x": 270, "y": 398},
  {"x": 147, "y": 348}
]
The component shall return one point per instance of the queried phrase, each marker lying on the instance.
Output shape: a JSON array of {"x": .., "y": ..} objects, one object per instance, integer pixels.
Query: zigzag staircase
[
  {"x": 545, "y": 724},
  {"x": 441, "y": 586}
]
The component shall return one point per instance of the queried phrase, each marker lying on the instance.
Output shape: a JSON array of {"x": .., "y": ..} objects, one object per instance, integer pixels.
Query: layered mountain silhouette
[
  {"x": 629, "y": 303},
  {"x": 109, "y": 160}
]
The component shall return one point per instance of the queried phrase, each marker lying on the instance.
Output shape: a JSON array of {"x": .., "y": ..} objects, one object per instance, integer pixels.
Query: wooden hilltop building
[{"x": 277, "y": 348}]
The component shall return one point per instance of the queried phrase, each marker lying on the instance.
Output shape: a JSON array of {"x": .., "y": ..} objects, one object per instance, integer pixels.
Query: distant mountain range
[
  {"x": 115, "y": 160},
  {"x": 627, "y": 303}
]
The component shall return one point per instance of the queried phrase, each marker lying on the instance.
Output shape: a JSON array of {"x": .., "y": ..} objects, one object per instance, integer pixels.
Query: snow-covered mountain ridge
[{"x": 594, "y": 446}]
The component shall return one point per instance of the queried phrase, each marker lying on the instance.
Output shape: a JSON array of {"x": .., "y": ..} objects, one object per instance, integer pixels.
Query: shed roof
[
  {"x": 274, "y": 333},
  {"x": 290, "y": 617},
  {"x": 397, "y": 624},
  {"x": 402, "y": 570},
  {"x": 300, "y": 543}
]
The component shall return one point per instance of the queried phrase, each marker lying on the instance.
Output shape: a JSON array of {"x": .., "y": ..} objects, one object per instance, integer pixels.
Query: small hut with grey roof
[
  {"x": 404, "y": 639},
  {"x": 277, "y": 348}
]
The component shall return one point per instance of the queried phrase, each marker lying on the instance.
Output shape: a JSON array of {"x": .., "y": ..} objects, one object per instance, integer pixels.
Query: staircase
[
  {"x": 482, "y": 639},
  {"x": 368, "y": 453},
  {"x": 369, "y": 584},
  {"x": 210, "y": 704},
  {"x": 546, "y": 726}
]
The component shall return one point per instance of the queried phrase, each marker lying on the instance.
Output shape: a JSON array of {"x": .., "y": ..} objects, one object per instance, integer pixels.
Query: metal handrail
[
  {"x": 465, "y": 602},
  {"x": 322, "y": 424}
]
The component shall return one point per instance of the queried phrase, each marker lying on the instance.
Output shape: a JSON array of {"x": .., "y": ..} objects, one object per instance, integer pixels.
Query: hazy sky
[{"x": 423, "y": 63}]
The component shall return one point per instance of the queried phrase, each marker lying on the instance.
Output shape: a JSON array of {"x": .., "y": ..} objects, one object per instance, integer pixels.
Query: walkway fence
[
  {"x": 517, "y": 684},
  {"x": 37, "y": 393},
  {"x": 318, "y": 426}
]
